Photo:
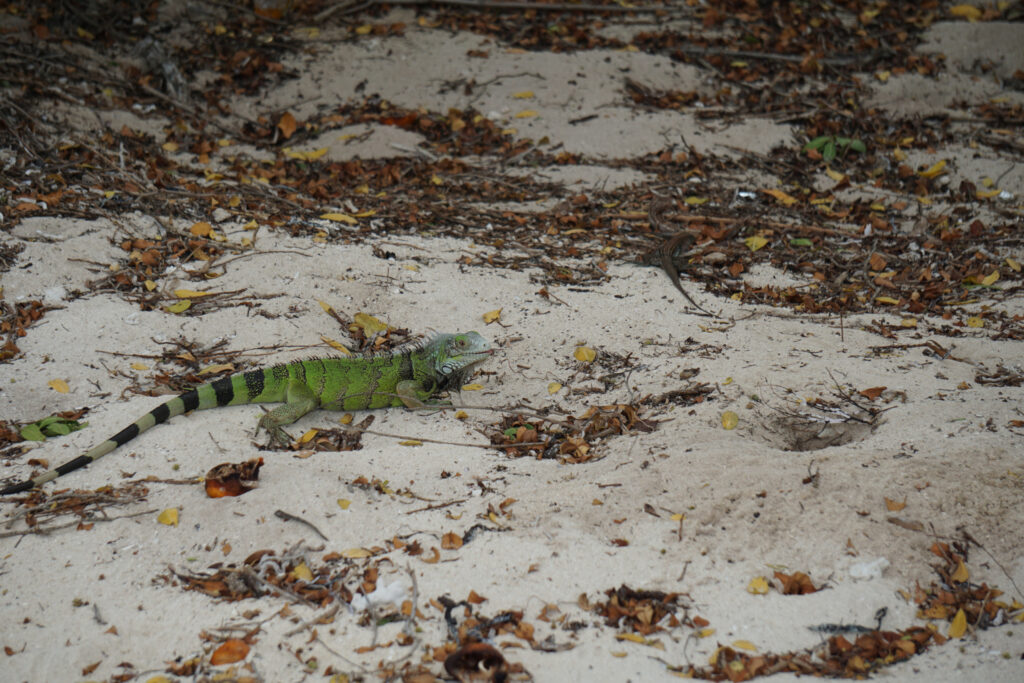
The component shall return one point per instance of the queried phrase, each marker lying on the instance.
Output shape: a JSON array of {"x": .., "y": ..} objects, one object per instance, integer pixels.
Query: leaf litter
[{"x": 937, "y": 250}]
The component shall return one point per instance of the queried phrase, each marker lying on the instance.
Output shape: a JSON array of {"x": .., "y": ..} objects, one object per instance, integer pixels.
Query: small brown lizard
[{"x": 664, "y": 255}]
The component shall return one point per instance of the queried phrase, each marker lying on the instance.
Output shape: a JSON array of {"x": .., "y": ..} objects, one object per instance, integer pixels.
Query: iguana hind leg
[
  {"x": 299, "y": 399},
  {"x": 413, "y": 395}
]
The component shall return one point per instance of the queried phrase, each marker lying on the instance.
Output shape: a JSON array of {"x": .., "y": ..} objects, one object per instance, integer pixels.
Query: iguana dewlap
[{"x": 408, "y": 376}]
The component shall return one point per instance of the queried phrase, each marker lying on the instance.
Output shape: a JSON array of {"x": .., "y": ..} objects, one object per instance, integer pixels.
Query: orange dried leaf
[
  {"x": 287, "y": 125},
  {"x": 894, "y": 505},
  {"x": 872, "y": 393},
  {"x": 229, "y": 652}
]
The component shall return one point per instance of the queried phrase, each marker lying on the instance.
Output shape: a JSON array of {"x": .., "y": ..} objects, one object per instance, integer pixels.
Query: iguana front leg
[
  {"x": 299, "y": 399},
  {"x": 413, "y": 395}
]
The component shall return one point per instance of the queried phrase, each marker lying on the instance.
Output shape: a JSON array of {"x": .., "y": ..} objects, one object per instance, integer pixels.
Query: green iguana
[{"x": 407, "y": 376}]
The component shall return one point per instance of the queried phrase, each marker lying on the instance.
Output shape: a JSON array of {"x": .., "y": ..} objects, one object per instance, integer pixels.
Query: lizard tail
[{"x": 219, "y": 393}]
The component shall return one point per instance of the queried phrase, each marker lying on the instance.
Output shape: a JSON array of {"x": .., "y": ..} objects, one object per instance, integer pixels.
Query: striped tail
[{"x": 219, "y": 393}]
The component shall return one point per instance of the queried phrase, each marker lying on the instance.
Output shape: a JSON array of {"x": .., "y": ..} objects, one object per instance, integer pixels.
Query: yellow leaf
[
  {"x": 180, "y": 306},
  {"x": 968, "y": 12},
  {"x": 755, "y": 242},
  {"x": 744, "y": 645},
  {"x": 170, "y": 146},
  {"x": 526, "y": 114},
  {"x": 309, "y": 155},
  {"x": 886, "y": 300},
  {"x": 491, "y": 316},
  {"x": 59, "y": 385},
  {"x": 139, "y": 366},
  {"x": 524, "y": 95},
  {"x": 883, "y": 76},
  {"x": 308, "y": 436},
  {"x": 705, "y": 632},
  {"x": 678, "y": 517},
  {"x": 364, "y": 29},
  {"x": 201, "y": 229},
  {"x": 758, "y": 585},
  {"x": 958, "y": 627},
  {"x": 584, "y": 354},
  {"x": 961, "y": 574},
  {"x": 988, "y": 194},
  {"x": 346, "y": 419},
  {"x": 934, "y": 170},
  {"x": 617, "y": 653},
  {"x": 216, "y": 367},
  {"x": 356, "y": 553},
  {"x": 410, "y": 442},
  {"x": 597, "y": 502},
  {"x": 150, "y": 285},
  {"x": 834, "y": 175},
  {"x": 509, "y": 131},
  {"x": 367, "y": 213},
  {"x": 340, "y": 218},
  {"x": 472, "y": 387},
  {"x": 786, "y": 199},
  {"x": 730, "y": 420},
  {"x": 899, "y": 155},
  {"x": 326, "y": 306},
  {"x": 631, "y": 637},
  {"x": 991, "y": 278},
  {"x": 696, "y": 201},
  {"x": 370, "y": 325},
  {"x": 191, "y": 294},
  {"x": 169, "y": 517},
  {"x": 301, "y": 571},
  {"x": 344, "y": 503},
  {"x": 461, "y": 415},
  {"x": 975, "y": 321},
  {"x": 554, "y": 387},
  {"x": 908, "y": 322},
  {"x": 1014, "y": 265},
  {"x": 435, "y": 179},
  {"x": 337, "y": 346}
]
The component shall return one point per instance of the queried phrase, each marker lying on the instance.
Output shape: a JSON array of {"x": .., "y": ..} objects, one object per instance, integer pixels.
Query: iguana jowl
[{"x": 407, "y": 376}]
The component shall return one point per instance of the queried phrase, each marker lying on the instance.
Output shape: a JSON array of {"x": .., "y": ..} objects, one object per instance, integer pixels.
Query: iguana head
[{"x": 453, "y": 356}]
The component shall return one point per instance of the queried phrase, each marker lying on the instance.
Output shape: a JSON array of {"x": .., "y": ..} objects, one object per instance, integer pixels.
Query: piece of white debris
[
  {"x": 866, "y": 571},
  {"x": 392, "y": 593}
]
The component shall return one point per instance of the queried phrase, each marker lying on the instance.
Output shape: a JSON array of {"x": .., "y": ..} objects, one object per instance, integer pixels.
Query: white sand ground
[{"x": 945, "y": 445}]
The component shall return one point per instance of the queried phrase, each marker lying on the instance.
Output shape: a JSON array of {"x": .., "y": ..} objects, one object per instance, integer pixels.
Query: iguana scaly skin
[{"x": 408, "y": 376}]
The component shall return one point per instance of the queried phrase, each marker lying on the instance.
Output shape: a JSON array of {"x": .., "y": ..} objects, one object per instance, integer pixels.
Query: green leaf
[
  {"x": 32, "y": 433},
  {"x": 817, "y": 142},
  {"x": 843, "y": 142},
  {"x": 511, "y": 432},
  {"x": 829, "y": 153},
  {"x": 50, "y": 426},
  {"x": 801, "y": 242},
  {"x": 858, "y": 146},
  {"x": 58, "y": 429}
]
